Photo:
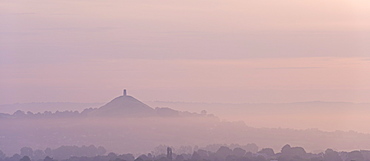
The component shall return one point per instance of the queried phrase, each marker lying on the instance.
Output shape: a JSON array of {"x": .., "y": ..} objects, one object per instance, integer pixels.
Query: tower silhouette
[
  {"x": 169, "y": 153},
  {"x": 124, "y": 92}
]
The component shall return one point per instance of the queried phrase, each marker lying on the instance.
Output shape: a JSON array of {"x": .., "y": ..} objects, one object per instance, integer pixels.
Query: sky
[{"x": 228, "y": 51}]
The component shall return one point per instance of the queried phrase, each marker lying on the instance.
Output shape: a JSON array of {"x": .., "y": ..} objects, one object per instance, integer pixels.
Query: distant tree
[
  {"x": 2, "y": 155},
  {"x": 90, "y": 151},
  {"x": 118, "y": 159},
  {"x": 26, "y": 151},
  {"x": 139, "y": 159},
  {"x": 251, "y": 148},
  {"x": 298, "y": 151},
  {"x": 112, "y": 156},
  {"x": 259, "y": 158},
  {"x": 203, "y": 154},
  {"x": 101, "y": 150},
  {"x": 25, "y": 158},
  {"x": 127, "y": 157},
  {"x": 19, "y": 114},
  {"x": 267, "y": 151},
  {"x": 161, "y": 149},
  {"x": 47, "y": 158},
  {"x": 239, "y": 152},
  {"x": 319, "y": 158},
  {"x": 48, "y": 152},
  {"x": 286, "y": 149},
  {"x": 143, "y": 158},
  {"x": 355, "y": 155},
  {"x": 223, "y": 152},
  {"x": 47, "y": 113},
  {"x": 15, "y": 157},
  {"x": 231, "y": 158},
  {"x": 331, "y": 155},
  {"x": 292, "y": 153},
  {"x": 38, "y": 154},
  {"x": 196, "y": 156},
  {"x": 179, "y": 158},
  {"x": 184, "y": 150}
]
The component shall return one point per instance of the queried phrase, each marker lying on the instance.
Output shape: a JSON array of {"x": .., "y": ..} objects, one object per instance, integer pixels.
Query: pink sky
[{"x": 199, "y": 51}]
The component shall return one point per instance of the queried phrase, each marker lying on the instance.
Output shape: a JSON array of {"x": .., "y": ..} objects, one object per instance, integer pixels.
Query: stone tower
[
  {"x": 169, "y": 153},
  {"x": 124, "y": 92}
]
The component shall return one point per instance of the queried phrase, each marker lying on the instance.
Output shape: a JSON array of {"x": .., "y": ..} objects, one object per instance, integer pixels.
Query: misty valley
[{"x": 127, "y": 129}]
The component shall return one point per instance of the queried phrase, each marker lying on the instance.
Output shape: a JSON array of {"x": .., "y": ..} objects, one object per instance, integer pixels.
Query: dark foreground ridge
[{"x": 163, "y": 153}]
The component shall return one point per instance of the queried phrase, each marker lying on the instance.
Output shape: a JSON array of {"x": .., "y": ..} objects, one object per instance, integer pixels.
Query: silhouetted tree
[
  {"x": 101, "y": 150},
  {"x": 25, "y": 158},
  {"x": 19, "y": 114},
  {"x": 196, "y": 156},
  {"x": 355, "y": 155},
  {"x": 118, "y": 159},
  {"x": 292, "y": 151},
  {"x": 331, "y": 155},
  {"x": 223, "y": 152},
  {"x": 2, "y": 155},
  {"x": 286, "y": 149},
  {"x": 251, "y": 148},
  {"x": 26, "y": 151},
  {"x": 239, "y": 152},
  {"x": 112, "y": 156},
  {"x": 203, "y": 154},
  {"x": 127, "y": 157},
  {"x": 143, "y": 158},
  {"x": 47, "y": 158},
  {"x": 259, "y": 158},
  {"x": 48, "y": 152},
  {"x": 139, "y": 159},
  {"x": 179, "y": 158},
  {"x": 267, "y": 151},
  {"x": 38, "y": 154},
  {"x": 15, "y": 157}
]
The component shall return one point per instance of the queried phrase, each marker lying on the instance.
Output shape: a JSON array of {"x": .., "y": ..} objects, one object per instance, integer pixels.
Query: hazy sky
[{"x": 191, "y": 50}]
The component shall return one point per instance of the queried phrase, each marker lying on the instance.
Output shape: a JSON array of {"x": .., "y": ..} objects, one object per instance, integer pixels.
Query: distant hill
[
  {"x": 124, "y": 106},
  {"x": 47, "y": 106}
]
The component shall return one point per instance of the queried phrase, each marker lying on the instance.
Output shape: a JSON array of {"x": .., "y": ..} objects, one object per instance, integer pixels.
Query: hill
[{"x": 124, "y": 106}]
